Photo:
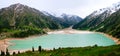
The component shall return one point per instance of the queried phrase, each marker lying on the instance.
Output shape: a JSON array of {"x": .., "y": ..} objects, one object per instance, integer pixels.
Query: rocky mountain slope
[
  {"x": 21, "y": 15},
  {"x": 107, "y": 21},
  {"x": 65, "y": 20},
  {"x": 20, "y": 20},
  {"x": 97, "y": 17}
]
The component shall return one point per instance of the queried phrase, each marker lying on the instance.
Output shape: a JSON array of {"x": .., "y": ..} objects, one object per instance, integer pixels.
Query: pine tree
[
  {"x": 18, "y": 52},
  {"x": 39, "y": 49},
  {"x": 54, "y": 49},
  {"x": 14, "y": 53},
  {"x": 7, "y": 53},
  {"x": 2, "y": 53},
  {"x": 59, "y": 48},
  {"x": 33, "y": 49},
  {"x": 95, "y": 45}
]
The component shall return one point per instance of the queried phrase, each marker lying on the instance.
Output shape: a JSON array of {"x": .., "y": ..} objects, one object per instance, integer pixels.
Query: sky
[{"x": 81, "y": 8}]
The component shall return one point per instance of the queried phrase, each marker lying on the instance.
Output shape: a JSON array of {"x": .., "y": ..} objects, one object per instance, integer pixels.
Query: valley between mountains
[
  {"x": 5, "y": 43},
  {"x": 19, "y": 22}
]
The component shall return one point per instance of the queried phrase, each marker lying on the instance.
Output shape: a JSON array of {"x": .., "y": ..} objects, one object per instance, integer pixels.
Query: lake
[{"x": 51, "y": 41}]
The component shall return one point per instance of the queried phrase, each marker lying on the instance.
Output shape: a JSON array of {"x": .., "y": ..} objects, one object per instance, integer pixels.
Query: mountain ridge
[
  {"x": 107, "y": 21},
  {"x": 64, "y": 19},
  {"x": 98, "y": 16},
  {"x": 18, "y": 19}
]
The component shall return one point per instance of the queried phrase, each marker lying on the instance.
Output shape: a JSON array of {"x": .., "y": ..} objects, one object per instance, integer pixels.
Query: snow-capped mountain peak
[
  {"x": 64, "y": 18},
  {"x": 115, "y": 7},
  {"x": 46, "y": 13}
]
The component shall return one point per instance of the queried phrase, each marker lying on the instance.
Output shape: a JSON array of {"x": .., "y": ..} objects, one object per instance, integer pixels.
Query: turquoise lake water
[{"x": 62, "y": 40}]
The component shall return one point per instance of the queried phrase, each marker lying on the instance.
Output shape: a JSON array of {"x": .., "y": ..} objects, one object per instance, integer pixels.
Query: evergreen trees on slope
[
  {"x": 18, "y": 19},
  {"x": 97, "y": 17},
  {"x": 110, "y": 25}
]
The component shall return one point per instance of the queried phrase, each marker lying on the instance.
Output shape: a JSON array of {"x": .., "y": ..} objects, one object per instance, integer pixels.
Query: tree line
[{"x": 7, "y": 53}]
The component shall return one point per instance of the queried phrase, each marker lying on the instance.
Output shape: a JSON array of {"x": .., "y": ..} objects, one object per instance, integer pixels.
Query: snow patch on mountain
[
  {"x": 110, "y": 10},
  {"x": 46, "y": 13}
]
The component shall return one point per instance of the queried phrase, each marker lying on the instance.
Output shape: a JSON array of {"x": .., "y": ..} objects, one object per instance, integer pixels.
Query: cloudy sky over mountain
[{"x": 81, "y": 8}]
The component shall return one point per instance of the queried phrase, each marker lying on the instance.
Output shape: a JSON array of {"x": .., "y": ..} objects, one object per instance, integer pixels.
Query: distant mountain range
[
  {"x": 65, "y": 20},
  {"x": 18, "y": 15},
  {"x": 18, "y": 18},
  {"x": 104, "y": 20}
]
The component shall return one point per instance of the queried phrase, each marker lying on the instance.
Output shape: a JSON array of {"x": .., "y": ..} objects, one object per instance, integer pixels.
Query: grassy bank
[
  {"x": 21, "y": 32},
  {"x": 80, "y": 51}
]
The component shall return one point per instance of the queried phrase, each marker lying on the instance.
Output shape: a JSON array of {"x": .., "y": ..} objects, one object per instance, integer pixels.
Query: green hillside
[
  {"x": 17, "y": 19},
  {"x": 110, "y": 24},
  {"x": 81, "y": 51}
]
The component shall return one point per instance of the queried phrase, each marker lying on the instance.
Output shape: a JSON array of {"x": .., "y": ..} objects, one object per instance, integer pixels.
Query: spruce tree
[
  {"x": 18, "y": 52},
  {"x": 14, "y": 53},
  {"x": 39, "y": 49},
  {"x": 95, "y": 45},
  {"x": 2, "y": 53},
  {"x": 33, "y": 49},
  {"x": 53, "y": 49},
  {"x": 7, "y": 53}
]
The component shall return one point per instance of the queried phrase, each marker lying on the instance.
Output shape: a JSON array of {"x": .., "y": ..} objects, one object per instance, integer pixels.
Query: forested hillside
[
  {"x": 18, "y": 19},
  {"x": 107, "y": 21}
]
